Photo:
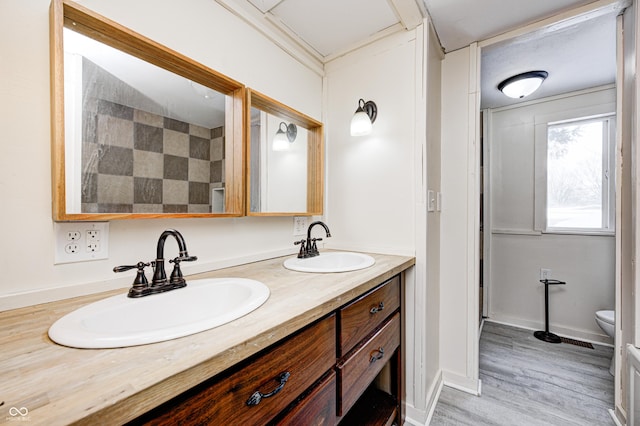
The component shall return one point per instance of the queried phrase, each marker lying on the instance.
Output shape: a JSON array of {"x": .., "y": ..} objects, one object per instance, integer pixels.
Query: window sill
[{"x": 580, "y": 232}]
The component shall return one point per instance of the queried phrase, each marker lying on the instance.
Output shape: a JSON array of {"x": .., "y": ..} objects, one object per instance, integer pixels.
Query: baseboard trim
[
  {"x": 586, "y": 336},
  {"x": 461, "y": 383},
  {"x": 615, "y": 418},
  {"x": 419, "y": 417},
  {"x": 435, "y": 397}
]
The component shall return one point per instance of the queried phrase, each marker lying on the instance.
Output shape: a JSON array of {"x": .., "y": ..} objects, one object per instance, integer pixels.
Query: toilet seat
[{"x": 606, "y": 316}]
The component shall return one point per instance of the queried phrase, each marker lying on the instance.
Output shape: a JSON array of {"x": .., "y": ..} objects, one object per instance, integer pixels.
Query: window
[{"x": 580, "y": 175}]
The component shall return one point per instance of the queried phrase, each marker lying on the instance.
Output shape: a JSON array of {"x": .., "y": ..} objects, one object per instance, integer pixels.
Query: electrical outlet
[
  {"x": 299, "y": 225},
  {"x": 71, "y": 248},
  {"x": 80, "y": 241},
  {"x": 545, "y": 274}
]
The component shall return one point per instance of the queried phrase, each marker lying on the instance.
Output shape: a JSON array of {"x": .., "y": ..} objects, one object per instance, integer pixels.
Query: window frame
[{"x": 608, "y": 173}]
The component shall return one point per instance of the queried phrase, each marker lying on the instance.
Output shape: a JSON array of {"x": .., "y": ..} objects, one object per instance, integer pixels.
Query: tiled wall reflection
[{"x": 138, "y": 162}]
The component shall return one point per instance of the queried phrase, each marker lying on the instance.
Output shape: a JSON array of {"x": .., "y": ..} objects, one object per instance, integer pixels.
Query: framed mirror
[
  {"x": 139, "y": 130},
  {"x": 285, "y": 150}
]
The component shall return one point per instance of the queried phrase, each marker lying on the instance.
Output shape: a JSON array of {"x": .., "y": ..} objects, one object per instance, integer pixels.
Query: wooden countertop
[{"x": 60, "y": 385}]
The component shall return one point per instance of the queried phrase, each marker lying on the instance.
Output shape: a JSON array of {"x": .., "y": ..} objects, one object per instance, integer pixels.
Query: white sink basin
[
  {"x": 120, "y": 321},
  {"x": 333, "y": 261}
]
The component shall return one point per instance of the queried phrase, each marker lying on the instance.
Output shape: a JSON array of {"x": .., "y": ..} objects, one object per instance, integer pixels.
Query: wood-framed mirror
[
  {"x": 139, "y": 130},
  {"x": 285, "y": 159}
]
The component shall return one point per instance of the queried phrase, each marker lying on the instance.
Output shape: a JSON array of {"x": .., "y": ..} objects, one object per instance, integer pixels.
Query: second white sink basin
[
  {"x": 333, "y": 261},
  {"x": 120, "y": 321}
]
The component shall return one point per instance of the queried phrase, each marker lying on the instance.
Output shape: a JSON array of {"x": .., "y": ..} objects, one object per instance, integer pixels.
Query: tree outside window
[{"x": 579, "y": 161}]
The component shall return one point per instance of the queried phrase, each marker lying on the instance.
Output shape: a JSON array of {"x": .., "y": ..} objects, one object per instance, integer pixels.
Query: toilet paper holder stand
[{"x": 546, "y": 335}]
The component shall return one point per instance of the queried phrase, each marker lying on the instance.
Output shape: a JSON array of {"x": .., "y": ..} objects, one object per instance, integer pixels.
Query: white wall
[
  {"x": 627, "y": 205},
  {"x": 519, "y": 250},
  {"x": 458, "y": 222},
  {"x": 202, "y": 30},
  {"x": 431, "y": 320},
  {"x": 370, "y": 179},
  {"x": 376, "y": 184}
]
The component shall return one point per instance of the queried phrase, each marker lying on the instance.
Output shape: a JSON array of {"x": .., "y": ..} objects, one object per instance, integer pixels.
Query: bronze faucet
[
  {"x": 160, "y": 284},
  {"x": 311, "y": 249}
]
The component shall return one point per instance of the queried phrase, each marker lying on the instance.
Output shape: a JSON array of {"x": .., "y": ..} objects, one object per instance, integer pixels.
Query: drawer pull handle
[
  {"x": 377, "y": 309},
  {"x": 257, "y": 395},
  {"x": 376, "y": 355}
]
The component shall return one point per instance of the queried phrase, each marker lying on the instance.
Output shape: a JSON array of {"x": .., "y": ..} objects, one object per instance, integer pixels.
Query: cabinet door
[{"x": 259, "y": 390}]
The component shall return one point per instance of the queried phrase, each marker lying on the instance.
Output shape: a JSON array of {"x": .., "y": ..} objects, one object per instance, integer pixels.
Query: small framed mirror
[
  {"x": 139, "y": 130},
  {"x": 285, "y": 173}
]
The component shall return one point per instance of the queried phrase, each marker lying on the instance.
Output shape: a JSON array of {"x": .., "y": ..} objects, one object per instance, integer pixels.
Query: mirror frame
[
  {"x": 315, "y": 152},
  {"x": 67, "y": 13}
]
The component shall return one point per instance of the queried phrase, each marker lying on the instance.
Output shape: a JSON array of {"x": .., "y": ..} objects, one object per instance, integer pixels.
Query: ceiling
[
  {"x": 578, "y": 54},
  {"x": 461, "y": 22}
]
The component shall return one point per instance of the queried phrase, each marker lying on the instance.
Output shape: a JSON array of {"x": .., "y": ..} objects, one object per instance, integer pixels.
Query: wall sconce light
[
  {"x": 522, "y": 85},
  {"x": 362, "y": 120},
  {"x": 284, "y": 138}
]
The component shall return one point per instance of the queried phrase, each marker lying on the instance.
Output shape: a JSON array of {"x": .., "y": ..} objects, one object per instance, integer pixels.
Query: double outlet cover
[{"x": 81, "y": 241}]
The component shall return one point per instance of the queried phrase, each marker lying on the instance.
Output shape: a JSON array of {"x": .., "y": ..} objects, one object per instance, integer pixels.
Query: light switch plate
[
  {"x": 80, "y": 241},
  {"x": 431, "y": 201}
]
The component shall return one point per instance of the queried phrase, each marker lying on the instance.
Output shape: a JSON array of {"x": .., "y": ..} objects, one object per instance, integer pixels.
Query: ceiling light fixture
[
  {"x": 203, "y": 91},
  {"x": 284, "y": 138},
  {"x": 522, "y": 85},
  {"x": 361, "y": 123}
]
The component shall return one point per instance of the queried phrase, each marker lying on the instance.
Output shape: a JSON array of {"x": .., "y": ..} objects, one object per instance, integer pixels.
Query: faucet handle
[
  {"x": 140, "y": 284},
  {"x": 129, "y": 267},
  {"x": 184, "y": 259},
  {"x": 303, "y": 249},
  {"x": 313, "y": 250},
  {"x": 177, "y": 279},
  {"x": 140, "y": 277}
]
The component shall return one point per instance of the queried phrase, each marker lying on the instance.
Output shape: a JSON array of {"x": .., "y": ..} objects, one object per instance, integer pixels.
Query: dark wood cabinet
[
  {"x": 317, "y": 376},
  {"x": 361, "y": 316},
  {"x": 370, "y": 339}
]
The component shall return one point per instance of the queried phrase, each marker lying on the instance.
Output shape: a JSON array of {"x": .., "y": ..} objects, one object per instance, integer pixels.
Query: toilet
[{"x": 606, "y": 321}]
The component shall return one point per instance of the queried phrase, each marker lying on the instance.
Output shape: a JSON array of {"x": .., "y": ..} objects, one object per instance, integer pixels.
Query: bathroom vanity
[{"x": 323, "y": 347}]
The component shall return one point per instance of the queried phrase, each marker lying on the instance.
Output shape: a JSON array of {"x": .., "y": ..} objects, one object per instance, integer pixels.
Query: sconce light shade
[
  {"x": 522, "y": 85},
  {"x": 361, "y": 123},
  {"x": 284, "y": 138}
]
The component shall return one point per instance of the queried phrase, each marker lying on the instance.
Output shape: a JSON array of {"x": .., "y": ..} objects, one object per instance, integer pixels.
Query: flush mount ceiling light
[
  {"x": 362, "y": 120},
  {"x": 522, "y": 85},
  {"x": 203, "y": 91},
  {"x": 284, "y": 137}
]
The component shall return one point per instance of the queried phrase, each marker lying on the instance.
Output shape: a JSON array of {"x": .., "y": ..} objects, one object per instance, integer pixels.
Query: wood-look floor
[{"x": 529, "y": 382}]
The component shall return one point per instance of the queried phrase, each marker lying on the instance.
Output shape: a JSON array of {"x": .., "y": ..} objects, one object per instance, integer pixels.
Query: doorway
[{"x": 517, "y": 244}]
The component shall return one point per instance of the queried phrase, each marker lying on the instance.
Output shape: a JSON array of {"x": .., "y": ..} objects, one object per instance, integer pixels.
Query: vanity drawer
[
  {"x": 305, "y": 357},
  {"x": 363, "y": 315},
  {"x": 318, "y": 408},
  {"x": 357, "y": 372}
]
